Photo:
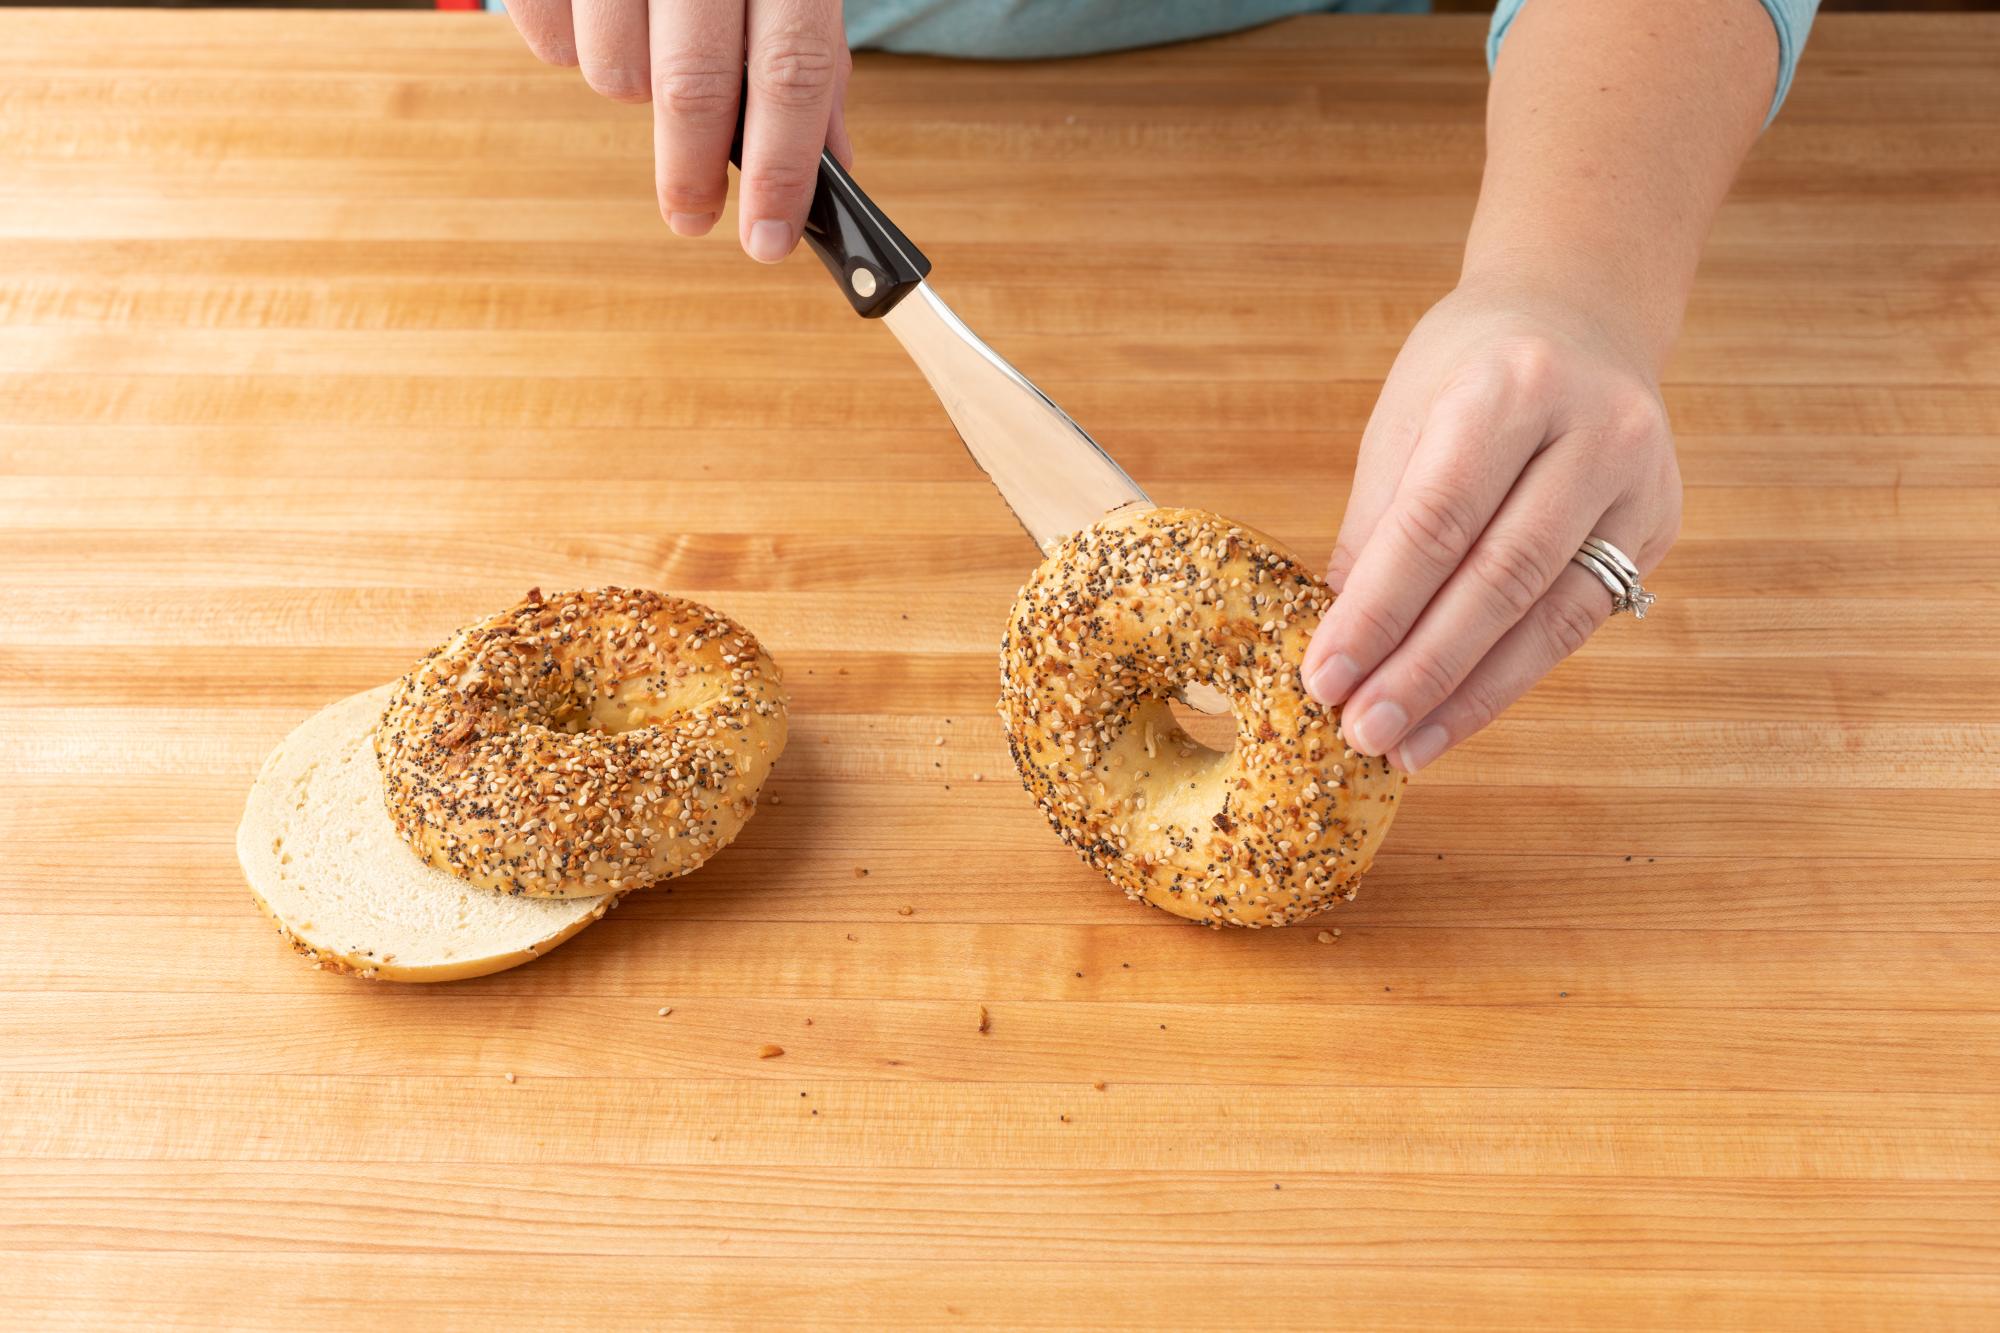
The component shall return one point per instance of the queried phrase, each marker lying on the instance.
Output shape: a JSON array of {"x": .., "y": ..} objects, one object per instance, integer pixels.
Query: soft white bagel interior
[{"x": 324, "y": 860}]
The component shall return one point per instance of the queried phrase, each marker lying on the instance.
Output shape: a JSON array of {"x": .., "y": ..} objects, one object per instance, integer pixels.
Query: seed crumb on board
[
  {"x": 861, "y": 872},
  {"x": 1099, "y": 1085},
  {"x": 510, "y": 1076},
  {"x": 906, "y": 911},
  {"x": 769, "y": 1050},
  {"x": 666, "y": 1009}
]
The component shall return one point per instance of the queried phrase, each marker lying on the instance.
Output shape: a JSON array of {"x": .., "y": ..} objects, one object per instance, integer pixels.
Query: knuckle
[
  {"x": 1431, "y": 679},
  {"x": 1530, "y": 365},
  {"x": 795, "y": 67},
  {"x": 1438, "y": 525},
  {"x": 1341, "y": 563},
  {"x": 1568, "y": 623},
  {"x": 679, "y": 197},
  {"x": 699, "y": 91},
  {"x": 1635, "y": 424},
  {"x": 1670, "y": 526},
  {"x": 782, "y": 180},
  {"x": 1480, "y": 701},
  {"x": 1513, "y": 573},
  {"x": 1369, "y": 629}
]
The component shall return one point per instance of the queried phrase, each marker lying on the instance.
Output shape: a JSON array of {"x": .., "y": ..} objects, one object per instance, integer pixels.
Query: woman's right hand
[{"x": 689, "y": 58}]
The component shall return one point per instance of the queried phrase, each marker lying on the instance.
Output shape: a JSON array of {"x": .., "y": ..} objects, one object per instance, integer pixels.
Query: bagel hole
[{"x": 1211, "y": 731}]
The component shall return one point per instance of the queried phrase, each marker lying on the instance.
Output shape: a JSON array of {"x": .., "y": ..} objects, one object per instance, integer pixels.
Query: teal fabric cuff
[
  {"x": 1039, "y": 29},
  {"x": 1792, "y": 19}
]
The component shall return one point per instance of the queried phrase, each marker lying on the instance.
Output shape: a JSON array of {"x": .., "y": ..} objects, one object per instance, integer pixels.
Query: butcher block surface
[{"x": 1673, "y": 1001}]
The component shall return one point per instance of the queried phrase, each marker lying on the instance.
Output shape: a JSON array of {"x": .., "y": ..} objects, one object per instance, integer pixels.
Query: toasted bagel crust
[
  {"x": 1121, "y": 616},
  {"x": 587, "y": 743}
]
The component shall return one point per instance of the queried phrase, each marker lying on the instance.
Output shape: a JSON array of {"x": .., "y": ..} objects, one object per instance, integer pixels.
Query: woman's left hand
[{"x": 1512, "y": 426}]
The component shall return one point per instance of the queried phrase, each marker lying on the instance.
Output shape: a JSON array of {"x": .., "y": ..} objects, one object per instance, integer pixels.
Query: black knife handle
[{"x": 874, "y": 263}]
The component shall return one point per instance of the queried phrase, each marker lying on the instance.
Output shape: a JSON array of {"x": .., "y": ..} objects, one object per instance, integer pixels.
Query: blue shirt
[{"x": 1033, "y": 29}]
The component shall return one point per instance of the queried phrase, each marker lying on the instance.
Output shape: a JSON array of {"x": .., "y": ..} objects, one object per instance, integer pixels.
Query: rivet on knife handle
[{"x": 874, "y": 263}]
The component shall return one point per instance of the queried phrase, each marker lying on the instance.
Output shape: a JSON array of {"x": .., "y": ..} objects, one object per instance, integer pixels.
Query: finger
[
  {"x": 611, "y": 47},
  {"x": 836, "y": 129},
  {"x": 545, "y": 26},
  {"x": 1478, "y": 436},
  {"x": 697, "y": 61},
  {"x": 1386, "y": 445},
  {"x": 794, "y": 64},
  {"x": 1558, "y": 501},
  {"x": 1559, "y": 624}
]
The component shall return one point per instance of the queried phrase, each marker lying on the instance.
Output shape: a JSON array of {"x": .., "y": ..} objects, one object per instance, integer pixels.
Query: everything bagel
[
  {"x": 587, "y": 743},
  {"x": 1120, "y": 617}
]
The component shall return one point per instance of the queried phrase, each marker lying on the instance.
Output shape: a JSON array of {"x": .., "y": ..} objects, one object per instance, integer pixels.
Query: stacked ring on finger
[{"x": 1620, "y": 577}]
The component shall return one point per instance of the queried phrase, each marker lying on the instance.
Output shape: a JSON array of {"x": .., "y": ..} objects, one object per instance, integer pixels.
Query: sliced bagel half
[{"x": 325, "y": 863}]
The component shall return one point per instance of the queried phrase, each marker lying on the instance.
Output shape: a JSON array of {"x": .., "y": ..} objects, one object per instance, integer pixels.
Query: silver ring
[{"x": 1620, "y": 577}]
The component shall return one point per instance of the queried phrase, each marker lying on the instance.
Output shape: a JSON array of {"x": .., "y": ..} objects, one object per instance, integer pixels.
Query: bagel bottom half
[
  {"x": 1124, "y": 613},
  {"x": 326, "y": 863}
]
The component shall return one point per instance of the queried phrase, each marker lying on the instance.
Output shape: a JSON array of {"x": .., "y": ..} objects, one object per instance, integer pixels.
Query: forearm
[{"x": 1614, "y": 128}]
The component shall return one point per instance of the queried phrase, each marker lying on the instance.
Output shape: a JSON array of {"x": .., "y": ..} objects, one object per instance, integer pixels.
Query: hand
[
  {"x": 1512, "y": 426},
  {"x": 688, "y": 58}
]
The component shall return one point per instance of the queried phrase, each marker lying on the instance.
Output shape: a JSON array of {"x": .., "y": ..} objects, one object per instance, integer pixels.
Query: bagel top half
[
  {"x": 1121, "y": 617},
  {"x": 585, "y": 743}
]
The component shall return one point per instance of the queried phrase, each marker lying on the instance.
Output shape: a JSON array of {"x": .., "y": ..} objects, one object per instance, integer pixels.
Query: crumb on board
[
  {"x": 985, "y": 1020},
  {"x": 769, "y": 1050}
]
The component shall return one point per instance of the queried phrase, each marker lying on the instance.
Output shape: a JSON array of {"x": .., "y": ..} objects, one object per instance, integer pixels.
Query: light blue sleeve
[{"x": 1792, "y": 18}]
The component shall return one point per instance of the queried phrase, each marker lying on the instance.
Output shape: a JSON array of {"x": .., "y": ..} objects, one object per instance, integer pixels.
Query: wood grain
[{"x": 1674, "y": 1001}]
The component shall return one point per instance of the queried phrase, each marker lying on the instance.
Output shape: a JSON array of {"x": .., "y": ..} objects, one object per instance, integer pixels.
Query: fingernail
[
  {"x": 691, "y": 224},
  {"x": 1334, "y": 679},
  {"x": 1425, "y": 744},
  {"x": 770, "y": 241},
  {"x": 1378, "y": 726}
]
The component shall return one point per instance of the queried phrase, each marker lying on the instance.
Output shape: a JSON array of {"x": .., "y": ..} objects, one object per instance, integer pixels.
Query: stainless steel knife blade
[
  {"x": 1050, "y": 472},
  {"x": 1048, "y": 469}
]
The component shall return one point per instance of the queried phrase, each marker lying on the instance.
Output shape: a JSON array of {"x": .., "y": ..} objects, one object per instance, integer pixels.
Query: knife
[
  {"x": 1046, "y": 467},
  {"x": 1054, "y": 477}
]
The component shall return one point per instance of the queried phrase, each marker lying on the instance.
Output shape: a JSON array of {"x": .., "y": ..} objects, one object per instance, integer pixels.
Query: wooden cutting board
[{"x": 1675, "y": 999}]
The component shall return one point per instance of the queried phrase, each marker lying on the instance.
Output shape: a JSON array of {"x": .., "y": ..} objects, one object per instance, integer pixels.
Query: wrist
[{"x": 1616, "y": 298}]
